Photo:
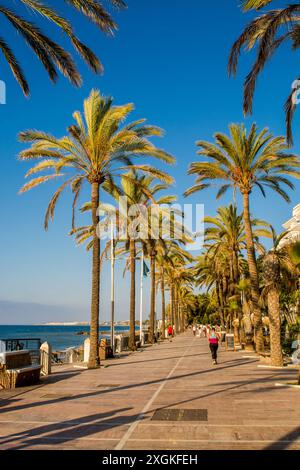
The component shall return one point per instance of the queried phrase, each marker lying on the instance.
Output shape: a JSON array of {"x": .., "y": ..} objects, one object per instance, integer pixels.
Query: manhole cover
[
  {"x": 171, "y": 414},
  {"x": 56, "y": 395},
  {"x": 108, "y": 386}
]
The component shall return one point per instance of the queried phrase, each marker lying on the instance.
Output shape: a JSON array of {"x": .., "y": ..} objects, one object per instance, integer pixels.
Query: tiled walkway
[{"x": 111, "y": 408}]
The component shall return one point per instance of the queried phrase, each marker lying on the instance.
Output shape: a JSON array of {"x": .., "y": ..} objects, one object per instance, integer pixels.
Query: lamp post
[
  {"x": 141, "y": 296},
  {"x": 112, "y": 291}
]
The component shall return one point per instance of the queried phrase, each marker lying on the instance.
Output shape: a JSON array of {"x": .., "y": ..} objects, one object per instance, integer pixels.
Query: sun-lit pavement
[{"x": 112, "y": 408}]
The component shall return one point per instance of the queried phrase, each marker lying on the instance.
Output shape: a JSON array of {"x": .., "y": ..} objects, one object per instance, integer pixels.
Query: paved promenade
[{"x": 112, "y": 408}]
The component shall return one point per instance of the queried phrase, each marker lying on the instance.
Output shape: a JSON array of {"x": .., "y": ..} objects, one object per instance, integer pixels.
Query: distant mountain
[{"x": 22, "y": 313}]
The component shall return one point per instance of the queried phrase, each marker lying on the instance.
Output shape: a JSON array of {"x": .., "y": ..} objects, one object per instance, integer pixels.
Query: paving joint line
[{"x": 132, "y": 428}]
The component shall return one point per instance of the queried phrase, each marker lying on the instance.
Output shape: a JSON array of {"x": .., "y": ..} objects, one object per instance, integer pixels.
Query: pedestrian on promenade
[
  {"x": 194, "y": 330},
  {"x": 213, "y": 339},
  {"x": 170, "y": 333}
]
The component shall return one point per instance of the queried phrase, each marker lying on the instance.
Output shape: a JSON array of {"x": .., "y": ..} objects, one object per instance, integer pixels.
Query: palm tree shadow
[
  {"x": 59, "y": 376},
  {"x": 285, "y": 441},
  {"x": 153, "y": 360},
  {"x": 12, "y": 395},
  {"x": 65, "y": 431},
  {"x": 115, "y": 389},
  {"x": 234, "y": 386}
]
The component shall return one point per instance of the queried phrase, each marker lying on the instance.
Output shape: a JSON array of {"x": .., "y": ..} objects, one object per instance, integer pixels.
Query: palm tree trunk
[
  {"x": 236, "y": 331},
  {"x": 179, "y": 317},
  {"x": 152, "y": 305},
  {"x": 258, "y": 329},
  {"x": 182, "y": 318},
  {"x": 274, "y": 316},
  {"x": 163, "y": 304},
  {"x": 299, "y": 363},
  {"x": 172, "y": 305},
  {"x": 94, "y": 360},
  {"x": 235, "y": 268},
  {"x": 220, "y": 304},
  {"x": 176, "y": 311},
  {"x": 132, "y": 345}
]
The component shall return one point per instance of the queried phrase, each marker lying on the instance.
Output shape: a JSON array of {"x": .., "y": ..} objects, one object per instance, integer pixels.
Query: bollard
[
  {"x": 87, "y": 347},
  {"x": 46, "y": 354}
]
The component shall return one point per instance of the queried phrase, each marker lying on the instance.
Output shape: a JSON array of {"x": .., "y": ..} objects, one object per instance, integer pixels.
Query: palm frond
[
  {"x": 255, "y": 4},
  {"x": 15, "y": 66}
]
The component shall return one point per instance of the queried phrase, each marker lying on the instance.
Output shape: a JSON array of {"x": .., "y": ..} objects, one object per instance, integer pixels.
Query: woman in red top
[
  {"x": 213, "y": 339},
  {"x": 170, "y": 332}
]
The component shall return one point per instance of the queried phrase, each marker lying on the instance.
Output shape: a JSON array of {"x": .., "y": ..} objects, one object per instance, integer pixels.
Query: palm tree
[
  {"x": 244, "y": 161},
  {"x": 188, "y": 303},
  {"x": 183, "y": 281},
  {"x": 159, "y": 225},
  {"x": 96, "y": 150},
  {"x": 52, "y": 56},
  {"x": 225, "y": 238},
  {"x": 227, "y": 231},
  {"x": 294, "y": 253},
  {"x": 139, "y": 190},
  {"x": 151, "y": 249},
  {"x": 162, "y": 282},
  {"x": 274, "y": 262},
  {"x": 267, "y": 31},
  {"x": 176, "y": 274}
]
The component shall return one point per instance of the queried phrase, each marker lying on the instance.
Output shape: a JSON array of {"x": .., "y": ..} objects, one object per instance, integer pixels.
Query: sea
[{"x": 59, "y": 336}]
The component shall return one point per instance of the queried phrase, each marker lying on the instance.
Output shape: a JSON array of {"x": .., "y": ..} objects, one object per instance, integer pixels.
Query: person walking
[
  {"x": 213, "y": 339},
  {"x": 194, "y": 330},
  {"x": 170, "y": 333}
]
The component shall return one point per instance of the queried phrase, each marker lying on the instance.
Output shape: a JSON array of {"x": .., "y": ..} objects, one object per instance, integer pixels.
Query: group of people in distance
[{"x": 213, "y": 334}]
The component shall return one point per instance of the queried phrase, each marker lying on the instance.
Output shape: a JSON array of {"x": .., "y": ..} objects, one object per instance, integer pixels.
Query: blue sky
[{"x": 170, "y": 59}]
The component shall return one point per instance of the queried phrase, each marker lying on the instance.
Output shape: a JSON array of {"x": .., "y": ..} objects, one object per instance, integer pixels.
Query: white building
[{"x": 292, "y": 226}]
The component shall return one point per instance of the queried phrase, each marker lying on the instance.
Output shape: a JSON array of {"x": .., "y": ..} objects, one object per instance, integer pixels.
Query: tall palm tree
[
  {"x": 140, "y": 191},
  {"x": 52, "y": 56},
  {"x": 225, "y": 237},
  {"x": 96, "y": 150},
  {"x": 294, "y": 253},
  {"x": 183, "y": 279},
  {"x": 165, "y": 263},
  {"x": 274, "y": 262},
  {"x": 244, "y": 161},
  {"x": 176, "y": 274},
  {"x": 162, "y": 281},
  {"x": 151, "y": 249},
  {"x": 227, "y": 230},
  {"x": 267, "y": 32},
  {"x": 160, "y": 220},
  {"x": 212, "y": 273}
]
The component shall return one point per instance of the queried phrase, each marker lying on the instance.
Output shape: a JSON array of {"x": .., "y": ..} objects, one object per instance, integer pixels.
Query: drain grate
[
  {"x": 56, "y": 395},
  {"x": 172, "y": 414}
]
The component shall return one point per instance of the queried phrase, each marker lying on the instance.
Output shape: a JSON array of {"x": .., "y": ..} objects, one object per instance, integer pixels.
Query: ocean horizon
[{"x": 59, "y": 336}]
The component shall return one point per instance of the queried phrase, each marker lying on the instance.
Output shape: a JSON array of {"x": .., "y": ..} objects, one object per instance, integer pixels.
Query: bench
[{"x": 16, "y": 369}]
